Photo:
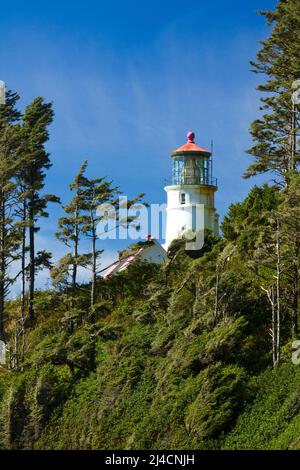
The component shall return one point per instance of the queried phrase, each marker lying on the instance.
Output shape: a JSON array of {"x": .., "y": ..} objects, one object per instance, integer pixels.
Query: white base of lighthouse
[{"x": 190, "y": 208}]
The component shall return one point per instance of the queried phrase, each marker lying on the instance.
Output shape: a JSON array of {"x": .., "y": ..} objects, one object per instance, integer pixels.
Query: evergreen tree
[
  {"x": 95, "y": 192},
  {"x": 9, "y": 230},
  {"x": 290, "y": 234},
  {"x": 71, "y": 224},
  {"x": 35, "y": 160},
  {"x": 23, "y": 223},
  {"x": 275, "y": 148},
  {"x": 82, "y": 218}
]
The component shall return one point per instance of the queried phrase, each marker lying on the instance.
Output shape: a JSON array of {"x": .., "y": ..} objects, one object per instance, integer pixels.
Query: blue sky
[{"x": 128, "y": 79}]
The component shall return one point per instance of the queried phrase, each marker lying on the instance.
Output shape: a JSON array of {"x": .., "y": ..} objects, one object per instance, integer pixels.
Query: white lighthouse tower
[{"x": 190, "y": 197}]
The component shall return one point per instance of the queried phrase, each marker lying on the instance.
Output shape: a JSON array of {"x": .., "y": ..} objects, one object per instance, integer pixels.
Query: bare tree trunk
[
  {"x": 271, "y": 297},
  {"x": 94, "y": 265},
  {"x": 274, "y": 344},
  {"x": 2, "y": 268},
  {"x": 296, "y": 273},
  {"x": 75, "y": 251},
  {"x": 16, "y": 355},
  {"x": 296, "y": 289},
  {"x": 278, "y": 304},
  {"x": 295, "y": 299},
  {"x": 31, "y": 265},
  {"x": 23, "y": 280},
  {"x": 293, "y": 138},
  {"x": 216, "y": 293}
]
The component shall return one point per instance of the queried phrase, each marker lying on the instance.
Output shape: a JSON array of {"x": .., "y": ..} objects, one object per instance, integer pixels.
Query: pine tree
[
  {"x": 23, "y": 223},
  {"x": 275, "y": 149},
  {"x": 9, "y": 229},
  {"x": 290, "y": 233},
  {"x": 82, "y": 219},
  {"x": 95, "y": 192},
  {"x": 71, "y": 224},
  {"x": 35, "y": 160}
]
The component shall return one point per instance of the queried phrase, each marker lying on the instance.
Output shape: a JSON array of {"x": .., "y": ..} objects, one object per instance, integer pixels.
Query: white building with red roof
[{"x": 149, "y": 251}]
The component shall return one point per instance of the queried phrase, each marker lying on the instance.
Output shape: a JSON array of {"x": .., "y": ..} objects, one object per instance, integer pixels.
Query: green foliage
[
  {"x": 28, "y": 402},
  {"x": 272, "y": 420},
  {"x": 156, "y": 368},
  {"x": 251, "y": 213},
  {"x": 217, "y": 402},
  {"x": 10, "y": 233},
  {"x": 278, "y": 61},
  {"x": 157, "y": 357}
]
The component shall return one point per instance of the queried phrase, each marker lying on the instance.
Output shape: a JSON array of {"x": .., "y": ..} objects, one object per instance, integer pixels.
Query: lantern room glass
[{"x": 192, "y": 170}]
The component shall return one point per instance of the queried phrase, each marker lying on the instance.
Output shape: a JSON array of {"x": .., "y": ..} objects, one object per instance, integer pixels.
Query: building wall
[
  {"x": 153, "y": 254},
  {"x": 186, "y": 217}
]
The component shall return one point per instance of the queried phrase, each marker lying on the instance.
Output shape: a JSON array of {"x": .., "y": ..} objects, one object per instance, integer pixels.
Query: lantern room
[{"x": 192, "y": 164}]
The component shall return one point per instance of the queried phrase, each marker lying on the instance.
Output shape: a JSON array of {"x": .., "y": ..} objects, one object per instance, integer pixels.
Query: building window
[{"x": 182, "y": 198}]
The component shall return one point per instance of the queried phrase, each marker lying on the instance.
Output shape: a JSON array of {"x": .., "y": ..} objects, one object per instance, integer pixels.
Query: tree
[
  {"x": 245, "y": 219},
  {"x": 35, "y": 160},
  {"x": 269, "y": 268},
  {"x": 256, "y": 227},
  {"x": 290, "y": 229},
  {"x": 23, "y": 223},
  {"x": 93, "y": 193},
  {"x": 281, "y": 254},
  {"x": 82, "y": 217},
  {"x": 71, "y": 224},
  {"x": 9, "y": 230},
  {"x": 279, "y": 60}
]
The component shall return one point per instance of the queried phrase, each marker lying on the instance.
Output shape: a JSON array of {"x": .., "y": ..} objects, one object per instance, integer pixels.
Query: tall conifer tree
[
  {"x": 279, "y": 61},
  {"x": 71, "y": 224},
  {"x": 9, "y": 230},
  {"x": 35, "y": 161},
  {"x": 95, "y": 192}
]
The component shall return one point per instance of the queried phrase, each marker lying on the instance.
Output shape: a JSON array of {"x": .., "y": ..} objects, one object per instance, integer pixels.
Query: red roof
[
  {"x": 122, "y": 263},
  {"x": 190, "y": 146}
]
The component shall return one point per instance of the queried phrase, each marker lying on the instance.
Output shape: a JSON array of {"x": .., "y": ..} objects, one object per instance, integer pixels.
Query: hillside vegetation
[
  {"x": 200, "y": 353},
  {"x": 165, "y": 364}
]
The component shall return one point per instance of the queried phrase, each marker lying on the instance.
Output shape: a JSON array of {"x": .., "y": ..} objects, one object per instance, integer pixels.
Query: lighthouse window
[
  {"x": 191, "y": 170},
  {"x": 182, "y": 198}
]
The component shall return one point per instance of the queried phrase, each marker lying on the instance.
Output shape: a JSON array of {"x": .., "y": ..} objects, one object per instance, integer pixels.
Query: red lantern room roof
[{"x": 190, "y": 147}]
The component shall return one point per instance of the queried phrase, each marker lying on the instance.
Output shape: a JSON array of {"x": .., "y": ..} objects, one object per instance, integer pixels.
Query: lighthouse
[{"x": 191, "y": 194}]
